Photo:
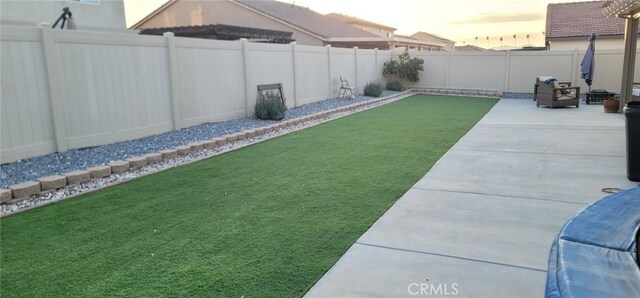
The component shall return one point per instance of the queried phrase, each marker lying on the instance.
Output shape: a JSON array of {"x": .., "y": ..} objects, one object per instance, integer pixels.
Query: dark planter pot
[{"x": 611, "y": 105}]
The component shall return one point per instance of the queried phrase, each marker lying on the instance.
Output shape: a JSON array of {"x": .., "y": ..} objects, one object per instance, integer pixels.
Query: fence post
[
  {"x": 174, "y": 80},
  {"x": 574, "y": 68},
  {"x": 375, "y": 60},
  {"x": 245, "y": 63},
  {"x": 294, "y": 54},
  {"x": 447, "y": 72},
  {"x": 355, "y": 82},
  {"x": 507, "y": 71},
  {"x": 55, "y": 88},
  {"x": 329, "y": 69}
]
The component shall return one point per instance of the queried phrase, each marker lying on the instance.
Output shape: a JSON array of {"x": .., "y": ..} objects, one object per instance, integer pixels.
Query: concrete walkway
[{"x": 480, "y": 223}]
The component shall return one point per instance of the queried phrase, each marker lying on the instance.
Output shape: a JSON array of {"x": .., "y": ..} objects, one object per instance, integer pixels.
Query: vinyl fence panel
[{"x": 64, "y": 89}]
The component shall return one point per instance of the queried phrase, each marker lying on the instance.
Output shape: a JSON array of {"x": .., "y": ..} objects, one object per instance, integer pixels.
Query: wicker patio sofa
[{"x": 552, "y": 95}]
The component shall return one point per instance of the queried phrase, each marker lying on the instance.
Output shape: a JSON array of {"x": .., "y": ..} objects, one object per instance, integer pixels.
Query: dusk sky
[{"x": 458, "y": 20}]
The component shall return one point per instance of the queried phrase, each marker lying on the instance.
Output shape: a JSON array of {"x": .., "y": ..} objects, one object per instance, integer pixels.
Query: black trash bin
[{"x": 632, "y": 114}]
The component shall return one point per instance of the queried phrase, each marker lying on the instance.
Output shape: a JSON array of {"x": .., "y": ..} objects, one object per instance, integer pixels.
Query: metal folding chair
[{"x": 344, "y": 88}]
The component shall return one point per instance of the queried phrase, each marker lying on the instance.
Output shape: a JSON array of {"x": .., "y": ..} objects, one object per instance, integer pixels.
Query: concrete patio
[{"x": 480, "y": 223}]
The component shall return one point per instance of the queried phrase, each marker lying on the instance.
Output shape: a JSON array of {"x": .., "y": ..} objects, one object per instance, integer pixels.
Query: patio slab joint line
[
  {"x": 539, "y": 153},
  {"x": 451, "y": 256},
  {"x": 571, "y": 127},
  {"x": 500, "y": 195}
]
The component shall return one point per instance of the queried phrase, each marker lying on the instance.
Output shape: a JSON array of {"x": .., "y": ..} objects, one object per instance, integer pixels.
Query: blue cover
[
  {"x": 611, "y": 222},
  {"x": 594, "y": 254}
]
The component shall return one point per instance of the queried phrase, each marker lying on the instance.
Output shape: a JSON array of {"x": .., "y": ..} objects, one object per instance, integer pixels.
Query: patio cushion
[
  {"x": 565, "y": 97},
  {"x": 554, "y": 85},
  {"x": 560, "y": 93},
  {"x": 544, "y": 78}
]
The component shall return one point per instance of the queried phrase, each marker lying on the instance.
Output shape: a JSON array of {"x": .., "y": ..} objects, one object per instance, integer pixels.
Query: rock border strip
[
  {"x": 32, "y": 194},
  {"x": 461, "y": 92}
]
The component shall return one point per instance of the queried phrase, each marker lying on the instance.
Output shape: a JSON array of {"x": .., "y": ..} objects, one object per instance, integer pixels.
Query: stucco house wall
[
  {"x": 602, "y": 43},
  {"x": 447, "y": 45},
  {"x": 86, "y": 15}
]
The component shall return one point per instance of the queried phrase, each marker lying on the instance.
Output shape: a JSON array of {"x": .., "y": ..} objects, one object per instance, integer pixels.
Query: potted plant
[{"x": 611, "y": 105}]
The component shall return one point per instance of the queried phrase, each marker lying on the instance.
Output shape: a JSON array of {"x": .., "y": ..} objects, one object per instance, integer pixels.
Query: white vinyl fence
[
  {"x": 515, "y": 71},
  {"x": 72, "y": 89}
]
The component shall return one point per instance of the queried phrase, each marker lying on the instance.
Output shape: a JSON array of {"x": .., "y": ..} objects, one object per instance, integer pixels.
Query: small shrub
[
  {"x": 276, "y": 109},
  {"x": 262, "y": 110},
  {"x": 406, "y": 67},
  {"x": 394, "y": 85},
  {"x": 270, "y": 108},
  {"x": 373, "y": 89}
]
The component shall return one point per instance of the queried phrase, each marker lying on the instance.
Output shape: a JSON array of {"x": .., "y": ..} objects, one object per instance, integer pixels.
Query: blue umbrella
[{"x": 588, "y": 62}]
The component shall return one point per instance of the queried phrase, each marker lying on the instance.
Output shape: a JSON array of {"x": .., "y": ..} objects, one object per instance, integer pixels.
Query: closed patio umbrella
[{"x": 588, "y": 64}]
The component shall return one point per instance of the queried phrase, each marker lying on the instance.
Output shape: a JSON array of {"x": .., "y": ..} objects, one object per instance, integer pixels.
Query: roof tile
[
  {"x": 353, "y": 20},
  {"x": 581, "y": 19},
  {"x": 306, "y": 19}
]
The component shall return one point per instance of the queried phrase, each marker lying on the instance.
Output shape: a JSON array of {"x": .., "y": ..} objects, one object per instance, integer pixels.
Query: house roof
[
  {"x": 414, "y": 35},
  {"x": 405, "y": 37},
  {"x": 304, "y": 18},
  {"x": 578, "y": 19},
  {"x": 153, "y": 13},
  {"x": 354, "y": 20},
  {"x": 224, "y": 32},
  {"x": 469, "y": 48}
]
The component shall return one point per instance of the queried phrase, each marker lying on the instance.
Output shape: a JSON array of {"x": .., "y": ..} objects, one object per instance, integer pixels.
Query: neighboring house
[
  {"x": 377, "y": 29},
  {"x": 470, "y": 48},
  {"x": 387, "y": 39},
  {"x": 569, "y": 26},
  {"x": 308, "y": 27},
  {"x": 530, "y": 48},
  {"x": 224, "y": 32},
  {"x": 395, "y": 43},
  {"x": 87, "y": 14},
  {"x": 443, "y": 43}
]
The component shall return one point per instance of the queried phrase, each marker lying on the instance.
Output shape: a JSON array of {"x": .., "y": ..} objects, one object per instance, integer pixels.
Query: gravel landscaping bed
[
  {"x": 514, "y": 95},
  {"x": 76, "y": 159},
  {"x": 73, "y": 190}
]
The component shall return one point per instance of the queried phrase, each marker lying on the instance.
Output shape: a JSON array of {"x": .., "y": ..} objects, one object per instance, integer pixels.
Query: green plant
[
  {"x": 373, "y": 89},
  {"x": 405, "y": 67},
  {"x": 262, "y": 110},
  {"x": 394, "y": 85},
  {"x": 271, "y": 107}
]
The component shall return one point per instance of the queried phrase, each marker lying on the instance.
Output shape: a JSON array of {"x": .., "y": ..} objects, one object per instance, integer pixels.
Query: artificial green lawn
[{"x": 267, "y": 220}]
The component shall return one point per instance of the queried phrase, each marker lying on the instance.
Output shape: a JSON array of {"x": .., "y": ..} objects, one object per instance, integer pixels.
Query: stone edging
[
  {"x": 116, "y": 169},
  {"x": 461, "y": 92}
]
